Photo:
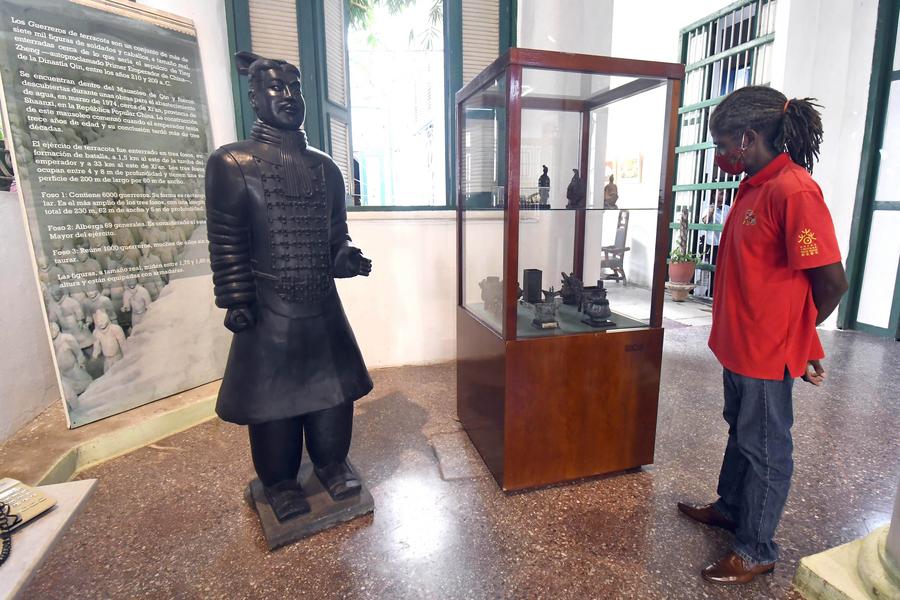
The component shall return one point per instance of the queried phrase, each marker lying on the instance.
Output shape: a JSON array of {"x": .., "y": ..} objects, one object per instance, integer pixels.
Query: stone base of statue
[
  {"x": 859, "y": 570},
  {"x": 679, "y": 291},
  {"x": 325, "y": 513}
]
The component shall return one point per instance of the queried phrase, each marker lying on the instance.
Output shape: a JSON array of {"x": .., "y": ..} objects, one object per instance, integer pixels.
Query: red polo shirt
[{"x": 764, "y": 317}]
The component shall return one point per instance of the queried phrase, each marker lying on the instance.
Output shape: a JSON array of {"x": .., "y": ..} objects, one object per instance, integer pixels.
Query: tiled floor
[{"x": 168, "y": 521}]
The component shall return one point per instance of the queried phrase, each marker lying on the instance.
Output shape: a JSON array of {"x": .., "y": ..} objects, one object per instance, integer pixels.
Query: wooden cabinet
[{"x": 556, "y": 389}]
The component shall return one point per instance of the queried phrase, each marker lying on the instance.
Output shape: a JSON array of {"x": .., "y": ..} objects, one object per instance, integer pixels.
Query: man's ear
[
  {"x": 251, "y": 94},
  {"x": 750, "y": 137}
]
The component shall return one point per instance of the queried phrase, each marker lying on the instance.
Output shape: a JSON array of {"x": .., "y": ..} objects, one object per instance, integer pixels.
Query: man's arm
[{"x": 829, "y": 284}]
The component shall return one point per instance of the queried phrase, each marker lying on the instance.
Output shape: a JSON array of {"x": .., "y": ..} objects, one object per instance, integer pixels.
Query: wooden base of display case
[{"x": 559, "y": 408}]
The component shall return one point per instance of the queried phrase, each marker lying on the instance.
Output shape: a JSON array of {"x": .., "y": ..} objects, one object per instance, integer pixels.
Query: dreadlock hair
[{"x": 792, "y": 125}]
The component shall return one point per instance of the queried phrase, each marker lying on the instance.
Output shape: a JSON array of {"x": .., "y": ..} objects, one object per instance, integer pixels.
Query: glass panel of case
[
  {"x": 615, "y": 201},
  {"x": 483, "y": 171}
]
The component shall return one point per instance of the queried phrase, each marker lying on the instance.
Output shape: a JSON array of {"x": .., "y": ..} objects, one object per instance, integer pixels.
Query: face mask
[{"x": 732, "y": 163}]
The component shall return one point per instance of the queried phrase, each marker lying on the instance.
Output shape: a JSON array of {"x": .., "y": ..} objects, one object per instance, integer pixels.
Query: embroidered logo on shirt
[
  {"x": 749, "y": 218},
  {"x": 807, "y": 242}
]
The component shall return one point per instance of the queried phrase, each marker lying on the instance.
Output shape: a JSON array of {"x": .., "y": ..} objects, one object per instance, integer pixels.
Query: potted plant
[{"x": 682, "y": 263}]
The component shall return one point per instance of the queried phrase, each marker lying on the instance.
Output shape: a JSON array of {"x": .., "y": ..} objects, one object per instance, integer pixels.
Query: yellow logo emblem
[
  {"x": 749, "y": 218},
  {"x": 807, "y": 242}
]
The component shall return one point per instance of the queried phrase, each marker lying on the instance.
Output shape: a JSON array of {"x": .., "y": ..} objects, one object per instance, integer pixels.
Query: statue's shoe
[
  {"x": 287, "y": 500},
  {"x": 340, "y": 480}
]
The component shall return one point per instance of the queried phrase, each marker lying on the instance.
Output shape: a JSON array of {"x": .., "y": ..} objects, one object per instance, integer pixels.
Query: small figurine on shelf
[
  {"x": 492, "y": 294},
  {"x": 596, "y": 308},
  {"x": 575, "y": 193},
  {"x": 572, "y": 290},
  {"x": 544, "y": 187},
  {"x": 545, "y": 312},
  {"x": 532, "y": 291},
  {"x": 610, "y": 194}
]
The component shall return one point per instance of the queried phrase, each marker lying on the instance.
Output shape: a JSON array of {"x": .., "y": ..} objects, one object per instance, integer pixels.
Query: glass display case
[{"x": 564, "y": 164}]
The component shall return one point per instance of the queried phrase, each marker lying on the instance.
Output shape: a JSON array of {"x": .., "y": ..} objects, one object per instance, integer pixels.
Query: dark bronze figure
[
  {"x": 544, "y": 187},
  {"x": 572, "y": 290},
  {"x": 596, "y": 307},
  {"x": 278, "y": 237},
  {"x": 575, "y": 192}
]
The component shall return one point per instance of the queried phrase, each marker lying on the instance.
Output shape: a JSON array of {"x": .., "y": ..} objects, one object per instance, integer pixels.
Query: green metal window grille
[{"x": 722, "y": 52}]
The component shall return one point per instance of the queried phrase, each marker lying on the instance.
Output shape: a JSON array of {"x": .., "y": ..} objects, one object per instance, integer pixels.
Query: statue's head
[
  {"x": 275, "y": 90},
  {"x": 131, "y": 282},
  {"x": 54, "y": 329},
  {"x": 93, "y": 291},
  {"x": 56, "y": 292},
  {"x": 545, "y": 169},
  {"x": 43, "y": 263},
  {"x": 101, "y": 319},
  {"x": 612, "y": 178}
]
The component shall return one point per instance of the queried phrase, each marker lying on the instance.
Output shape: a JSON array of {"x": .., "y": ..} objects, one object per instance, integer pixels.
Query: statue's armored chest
[{"x": 298, "y": 235}]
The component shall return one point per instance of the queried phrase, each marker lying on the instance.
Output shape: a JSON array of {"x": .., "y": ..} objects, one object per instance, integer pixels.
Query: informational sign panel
[{"x": 107, "y": 116}]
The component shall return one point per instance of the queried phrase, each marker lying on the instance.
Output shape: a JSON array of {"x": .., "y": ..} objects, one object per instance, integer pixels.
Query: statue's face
[
  {"x": 54, "y": 329},
  {"x": 101, "y": 319},
  {"x": 56, "y": 293},
  {"x": 93, "y": 293},
  {"x": 131, "y": 283},
  {"x": 277, "y": 100}
]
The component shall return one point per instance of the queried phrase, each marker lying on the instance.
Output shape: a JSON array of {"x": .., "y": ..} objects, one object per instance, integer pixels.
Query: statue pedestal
[
  {"x": 325, "y": 512},
  {"x": 866, "y": 569},
  {"x": 679, "y": 291}
]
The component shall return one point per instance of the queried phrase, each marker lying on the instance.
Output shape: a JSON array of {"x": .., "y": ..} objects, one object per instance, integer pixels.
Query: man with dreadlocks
[
  {"x": 779, "y": 275},
  {"x": 277, "y": 226}
]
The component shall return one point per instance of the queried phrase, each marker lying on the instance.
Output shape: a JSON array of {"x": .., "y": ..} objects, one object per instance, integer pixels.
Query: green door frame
[
  {"x": 310, "y": 24},
  {"x": 453, "y": 61},
  {"x": 865, "y": 205}
]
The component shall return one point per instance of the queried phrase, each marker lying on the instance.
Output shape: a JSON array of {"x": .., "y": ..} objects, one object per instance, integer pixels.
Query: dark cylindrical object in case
[{"x": 532, "y": 289}]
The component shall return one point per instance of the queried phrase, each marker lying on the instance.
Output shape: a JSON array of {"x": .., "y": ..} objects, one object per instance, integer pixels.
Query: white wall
[
  {"x": 27, "y": 378},
  {"x": 824, "y": 51}
]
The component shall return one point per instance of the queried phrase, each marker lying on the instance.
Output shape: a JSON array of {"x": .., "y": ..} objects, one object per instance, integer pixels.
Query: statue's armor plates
[{"x": 298, "y": 228}]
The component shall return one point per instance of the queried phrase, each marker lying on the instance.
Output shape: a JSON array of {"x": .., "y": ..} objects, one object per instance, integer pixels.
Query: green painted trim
[
  {"x": 715, "y": 185},
  {"x": 765, "y": 39},
  {"x": 699, "y": 105},
  {"x": 116, "y": 443},
  {"x": 310, "y": 25},
  {"x": 716, "y": 15},
  {"x": 698, "y": 226},
  {"x": 876, "y": 112},
  {"x": 693, "y": 147},
  {"x": 237, "y": 19},
  {"x": 890, "y": 205},
  {"x": 873, "y": 329},
  {"x": 452, "y": 84},
  {"x": 509, "y": 10}
]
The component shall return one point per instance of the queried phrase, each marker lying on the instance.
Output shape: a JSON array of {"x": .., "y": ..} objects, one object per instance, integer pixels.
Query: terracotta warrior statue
[{"x": 277, "y": 227}]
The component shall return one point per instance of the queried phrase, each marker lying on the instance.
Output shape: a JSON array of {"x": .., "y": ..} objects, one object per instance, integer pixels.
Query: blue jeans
[{"x": 756, "y": 471}]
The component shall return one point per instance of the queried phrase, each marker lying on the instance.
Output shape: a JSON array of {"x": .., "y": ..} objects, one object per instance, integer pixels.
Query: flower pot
[{"x": 682, "y": 272}]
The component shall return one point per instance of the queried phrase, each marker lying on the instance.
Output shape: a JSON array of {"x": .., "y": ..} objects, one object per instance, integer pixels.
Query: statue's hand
[
  {"x": 239, "y": 318},
  {"x": 349, "y": 262}
]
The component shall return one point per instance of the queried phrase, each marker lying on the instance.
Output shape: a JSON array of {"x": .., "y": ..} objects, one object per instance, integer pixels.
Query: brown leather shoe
[
  {"x": 708, "y": 515},
  {"x": 731, "y": 570}
]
